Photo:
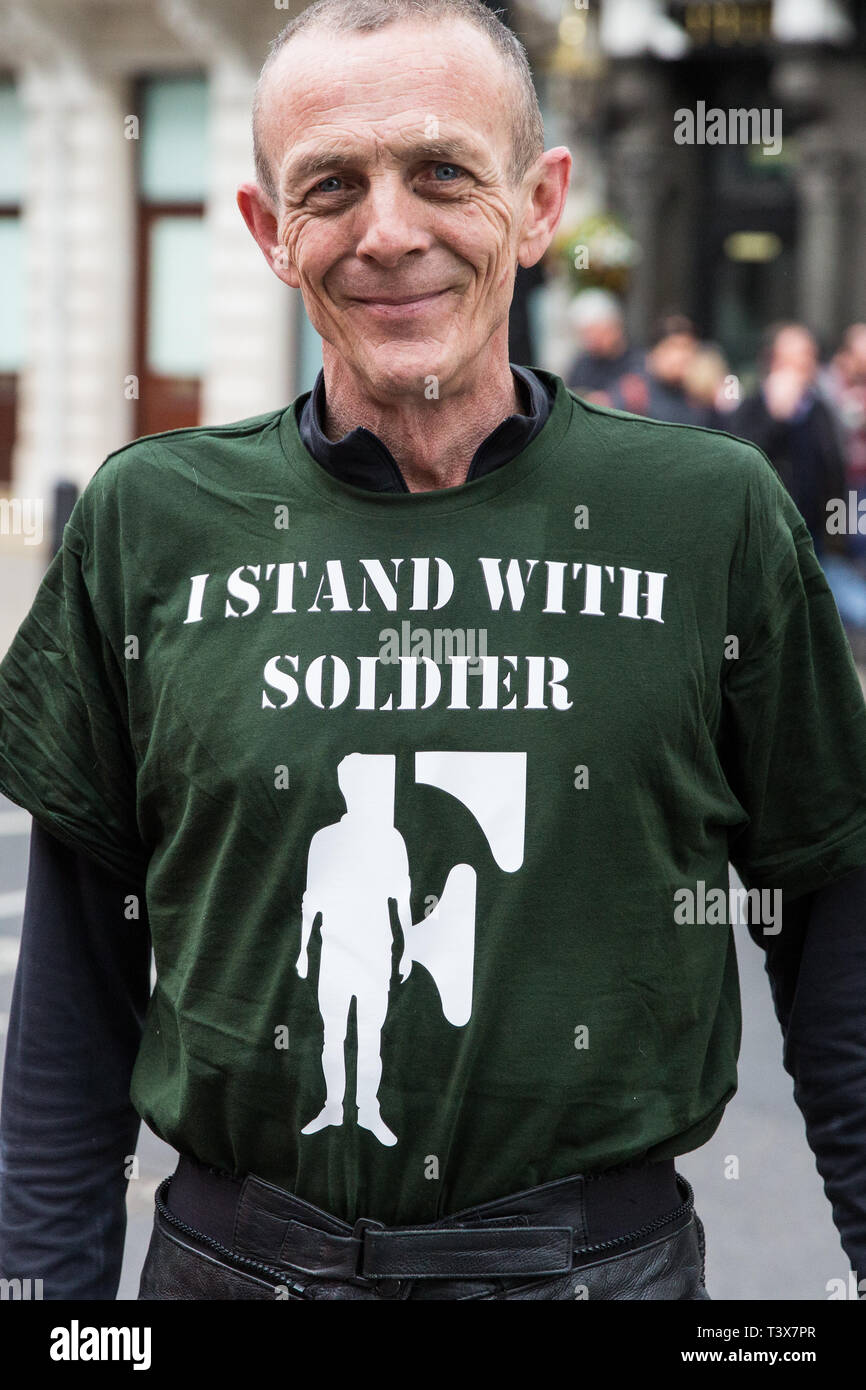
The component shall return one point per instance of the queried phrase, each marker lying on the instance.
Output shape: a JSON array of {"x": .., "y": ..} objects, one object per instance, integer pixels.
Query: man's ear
[
  {"x": 549, "y": 181},
  {"x": 257, "y": 212}
]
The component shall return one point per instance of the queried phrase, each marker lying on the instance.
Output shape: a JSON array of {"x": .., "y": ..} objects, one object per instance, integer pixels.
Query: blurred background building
[
  {"x": 132, "y": 298},
  {"x": 727, "y": 234}
]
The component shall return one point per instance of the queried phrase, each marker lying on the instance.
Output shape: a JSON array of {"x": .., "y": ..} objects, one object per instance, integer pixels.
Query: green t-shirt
[{"x": 418, "y": 922}]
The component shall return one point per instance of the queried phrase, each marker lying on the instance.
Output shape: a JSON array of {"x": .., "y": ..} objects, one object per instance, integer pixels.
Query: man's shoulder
[
  {"x": 168, "y": 445},
  {"x": 676, "y": 450},
  {"x": 135, "y": 469}
]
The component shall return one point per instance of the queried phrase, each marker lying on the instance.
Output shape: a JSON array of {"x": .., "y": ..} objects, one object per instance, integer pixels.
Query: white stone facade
[{"x": 74, "y": 63}]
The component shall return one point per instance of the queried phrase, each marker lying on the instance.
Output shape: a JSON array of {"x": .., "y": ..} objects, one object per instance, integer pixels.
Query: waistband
[{"x": 540, "y": 1230}]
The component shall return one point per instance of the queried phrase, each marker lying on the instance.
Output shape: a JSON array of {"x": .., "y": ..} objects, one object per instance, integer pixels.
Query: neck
[{"x": 432, "y": 441}]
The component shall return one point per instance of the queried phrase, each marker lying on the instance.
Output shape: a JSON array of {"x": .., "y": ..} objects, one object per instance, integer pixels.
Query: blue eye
[{"x": 334, "y": 180}]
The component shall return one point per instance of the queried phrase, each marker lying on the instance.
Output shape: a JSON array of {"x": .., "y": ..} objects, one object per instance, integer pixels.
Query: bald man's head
[{"x": 329, "y": 18}]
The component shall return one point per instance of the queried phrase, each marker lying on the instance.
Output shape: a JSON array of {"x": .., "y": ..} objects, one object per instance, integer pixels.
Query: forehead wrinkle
[
  {"x": 441, "y": 76},
  {"x": 350, "y": 68},
  {"x": 339, "y": 97}
]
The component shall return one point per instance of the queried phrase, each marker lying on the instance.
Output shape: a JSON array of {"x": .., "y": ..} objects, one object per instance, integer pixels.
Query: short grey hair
[{"x": 363, "y": 16}]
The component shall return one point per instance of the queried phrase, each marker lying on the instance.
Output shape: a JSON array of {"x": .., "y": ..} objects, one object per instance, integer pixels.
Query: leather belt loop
[{"x": 359, "y": 1231}]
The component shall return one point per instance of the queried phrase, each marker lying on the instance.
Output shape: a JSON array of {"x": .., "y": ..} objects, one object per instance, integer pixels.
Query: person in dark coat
[
  {"x": 606, "y": 356},
  {"x": 788, "y": 418},
  {"x": 659, "y": 389}
]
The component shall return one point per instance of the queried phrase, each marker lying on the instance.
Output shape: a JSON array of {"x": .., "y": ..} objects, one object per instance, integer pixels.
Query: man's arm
[
  {"x": 817, "y": 970},
  {"x": 309, "y": 908},
  {"x": 308, "y": 917},
  {"x": 402, "y": 890},
  {"x": 67, "y": 1123},
  {"x": 752, "y": 420}
]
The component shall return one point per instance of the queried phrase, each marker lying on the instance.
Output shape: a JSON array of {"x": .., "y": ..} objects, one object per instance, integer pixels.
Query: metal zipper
[
  {"x": 655, "y": 1225},
  {"x": 273, "y": 1273}
]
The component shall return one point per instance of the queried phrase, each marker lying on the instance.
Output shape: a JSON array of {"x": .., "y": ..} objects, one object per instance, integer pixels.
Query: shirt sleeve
[
  {"x": 65, "y": 751},
  {"x": 817, "y": 970},
  {"x": 793, "y": 724}
]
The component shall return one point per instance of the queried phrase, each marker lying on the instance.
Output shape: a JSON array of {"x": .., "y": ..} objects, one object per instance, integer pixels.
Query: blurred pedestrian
[
  {"x": 606, "y": 356},
  {"x": 705, "y": 383},
  {"x": 659, "y": 390},
  {"x": 843, "y": 383},
  {"x": 788, "y": 418}
]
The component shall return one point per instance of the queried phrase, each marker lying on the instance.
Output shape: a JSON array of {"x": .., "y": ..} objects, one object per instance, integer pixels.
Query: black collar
[{"x": 361, "y": 459}]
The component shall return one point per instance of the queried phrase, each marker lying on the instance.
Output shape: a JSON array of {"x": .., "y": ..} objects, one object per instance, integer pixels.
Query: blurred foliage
[{"x": 598, "y": 252}]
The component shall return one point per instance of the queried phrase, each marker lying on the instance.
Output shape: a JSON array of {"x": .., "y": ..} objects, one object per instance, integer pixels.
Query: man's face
[
  {"x": 856, "y": 345},
  {"x": 603, "y": 337},
  {"x": 672, "y": 356},
  {"x": 795, "y": 350},
  {"x": 409, "y": 201}
]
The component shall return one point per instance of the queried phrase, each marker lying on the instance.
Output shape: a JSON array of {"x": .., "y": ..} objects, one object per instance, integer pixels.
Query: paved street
[{"x": 769, "y": 1231}]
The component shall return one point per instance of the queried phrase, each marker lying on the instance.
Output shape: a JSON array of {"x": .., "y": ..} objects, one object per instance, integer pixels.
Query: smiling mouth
[{"x": 401, "y": 302}]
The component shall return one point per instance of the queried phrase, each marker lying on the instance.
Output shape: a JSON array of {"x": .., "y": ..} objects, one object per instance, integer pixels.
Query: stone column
[
  {"x": 252, "y": 315},
  {"x": 77, "y": 218},
  {"x": 821, "y": 178},
  {"x": 638, "y": 176}
]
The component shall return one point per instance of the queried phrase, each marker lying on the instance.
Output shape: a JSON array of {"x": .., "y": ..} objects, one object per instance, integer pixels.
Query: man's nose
[{"x": 392, "y": 220}]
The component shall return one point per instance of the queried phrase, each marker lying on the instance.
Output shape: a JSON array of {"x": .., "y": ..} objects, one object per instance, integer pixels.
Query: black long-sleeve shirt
[{"x": 67, "y": 1123}]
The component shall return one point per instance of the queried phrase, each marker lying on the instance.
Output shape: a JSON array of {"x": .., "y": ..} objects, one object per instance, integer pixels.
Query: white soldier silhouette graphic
[{"x": 355, "y": 867}]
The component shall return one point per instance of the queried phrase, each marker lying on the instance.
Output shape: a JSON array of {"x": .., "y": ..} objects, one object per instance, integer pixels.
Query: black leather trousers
[{"x": 658, "y": 1259}]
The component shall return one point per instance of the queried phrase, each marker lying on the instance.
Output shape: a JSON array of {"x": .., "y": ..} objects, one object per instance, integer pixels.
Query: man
[
  {"x": 843, "y": 386},
  {"x": 606, "y": 357},
  {"x": 790, "y": 421},
  {"x": 642, "y": 714}
]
